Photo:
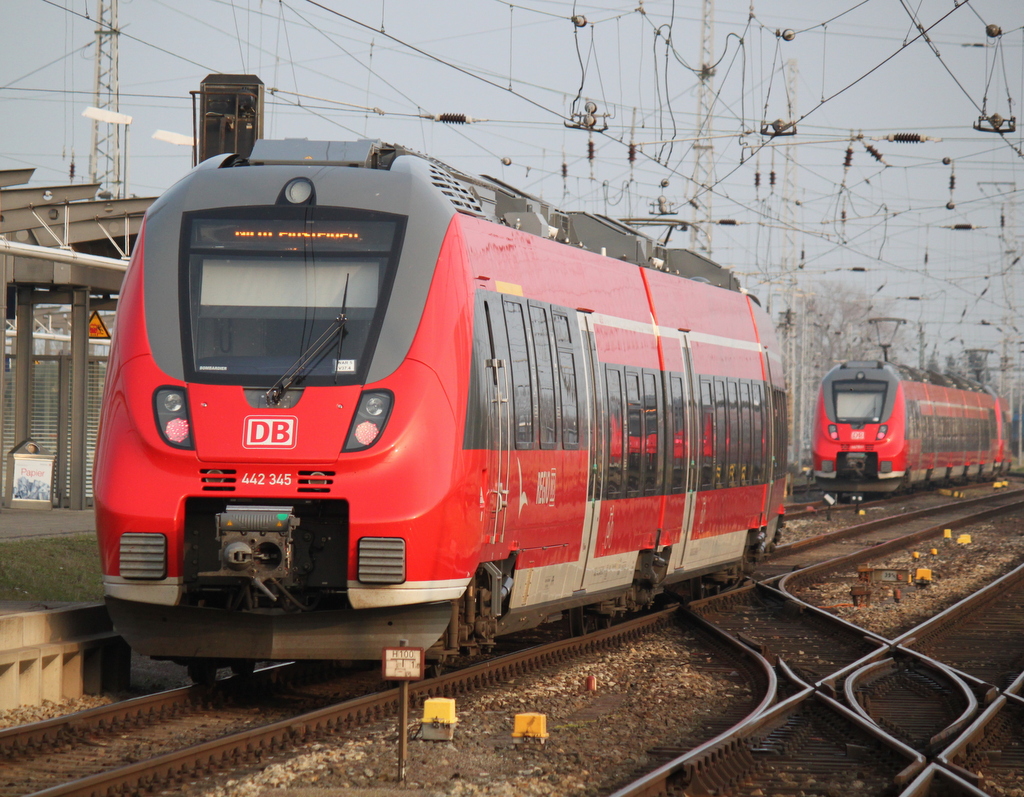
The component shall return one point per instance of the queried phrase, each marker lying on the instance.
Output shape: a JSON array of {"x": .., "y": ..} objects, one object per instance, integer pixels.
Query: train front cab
[{"x": 859, "y": 441}]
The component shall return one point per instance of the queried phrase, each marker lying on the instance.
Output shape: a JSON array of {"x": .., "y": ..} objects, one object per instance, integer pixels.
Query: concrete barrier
[{"x": 59, "y": 653}]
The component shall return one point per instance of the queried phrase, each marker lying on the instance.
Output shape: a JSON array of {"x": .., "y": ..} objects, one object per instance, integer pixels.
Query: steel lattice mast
[
  {"x": 704, "y": 155},
  {"x": 105, "y": 154}
]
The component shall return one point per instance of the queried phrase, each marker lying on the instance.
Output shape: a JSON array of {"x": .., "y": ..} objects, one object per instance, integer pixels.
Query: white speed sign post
[{"x": 402, "y": 664}]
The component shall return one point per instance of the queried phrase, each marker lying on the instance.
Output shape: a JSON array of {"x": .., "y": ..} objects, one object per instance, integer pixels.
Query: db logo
[{"x": 277, "y": 431}]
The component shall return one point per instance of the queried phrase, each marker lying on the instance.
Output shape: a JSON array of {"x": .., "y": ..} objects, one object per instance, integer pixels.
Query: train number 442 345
[{"x": 273, "y": 479}]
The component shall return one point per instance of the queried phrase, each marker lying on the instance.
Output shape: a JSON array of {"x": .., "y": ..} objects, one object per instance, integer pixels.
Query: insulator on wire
[
  {"x": 771, "y": 177},
  {"x": 757, "y": 179},
  {"x": 71, "y": 171},
  {"x": 906, "y": 138},
  {"x": 842, "y": 216},
  {"x": 565, "y": 170},
  {"x": 874, "y": 153},
  {"x": 454, "y": 118},
  {"x": 963, "y": 227},
  {"x": 952, "y": 182},
  {"x": 849, "y": 158},
  {"x": 590, "y": 150},
  {"x": 1002, "y": 220},
  {"x": 632, "y": 153}
]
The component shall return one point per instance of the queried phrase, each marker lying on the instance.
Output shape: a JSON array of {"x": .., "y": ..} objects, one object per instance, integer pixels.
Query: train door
[
  {"x": 683, "y": 453},
  {"x": 592, "y": 398},
  {"x": 498, "y": 421}
]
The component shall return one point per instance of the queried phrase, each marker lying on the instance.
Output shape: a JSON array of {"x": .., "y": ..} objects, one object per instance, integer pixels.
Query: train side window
[
  {"x": 567, "y": 380},
  {"x": 570, "y": 405},
  {"x": 652, "y": 432},
  {"x": 522, "y": 386},
  {"x": 560, "y": 325},
  {"x": 745, "y": 434},
  {"x": 781, "y": 419},
  {"x": 722, "y": 432},
  {"x": 547, "y": 413},
  {"x": 757, "y": 401},
  {"x": 735, "y": 432},
  {"x": 707, "y": 444},
  {"x": 678, "y": 433},
  {"x": 634, "y": 434},
  {"x": 613, "y": 484}
]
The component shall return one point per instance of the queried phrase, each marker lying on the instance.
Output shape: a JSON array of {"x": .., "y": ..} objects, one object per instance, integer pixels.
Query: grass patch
[{"x": 51, "y": 569}]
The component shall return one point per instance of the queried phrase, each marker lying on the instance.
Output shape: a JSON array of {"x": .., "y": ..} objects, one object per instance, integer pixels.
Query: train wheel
[{"x": 203, "y": 671}]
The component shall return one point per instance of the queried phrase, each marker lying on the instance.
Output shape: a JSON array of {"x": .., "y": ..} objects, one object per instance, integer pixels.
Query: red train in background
[
  {"x": 356, "y": 398},
  {"x": 881, "y": 427}
]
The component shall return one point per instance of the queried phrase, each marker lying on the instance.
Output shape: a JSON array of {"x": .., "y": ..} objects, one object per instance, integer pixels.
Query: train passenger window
[
  {"x": 560, "y": 324},
  {"x": 651, "y": 433},
  {"x": 707, "y": 444},
  {"x": 545, "y": 378},
  {"x": 757, "y": 403},
  {"x": 678, "y": 432},
  {"x": 565, "y": 351},
  {"x": 781, "y": 425},
  {"x": 634, "y": 460},
  {"x": 722, "y": 433},
  {"x": 570, "y": 407},
  {"x": 522, "y": 386},
  {"x": 735, "y": 432},
  {"x": 613, "y": 485},
  {"x": 745, "y": 431}
]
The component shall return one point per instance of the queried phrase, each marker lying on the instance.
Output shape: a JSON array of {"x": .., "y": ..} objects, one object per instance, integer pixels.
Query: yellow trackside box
[
  {"x": 438, "y": 719},
  {"x": 533, "y": 726}
]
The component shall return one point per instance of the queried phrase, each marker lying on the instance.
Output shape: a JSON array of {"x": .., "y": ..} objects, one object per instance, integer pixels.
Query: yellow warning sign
[{"x": 97, "y": 329}]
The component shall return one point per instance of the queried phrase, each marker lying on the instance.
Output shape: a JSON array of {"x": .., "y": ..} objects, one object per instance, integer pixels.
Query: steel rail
[
  {"x": 232, "y": 750},
  {"x": 798, "y": 578}
]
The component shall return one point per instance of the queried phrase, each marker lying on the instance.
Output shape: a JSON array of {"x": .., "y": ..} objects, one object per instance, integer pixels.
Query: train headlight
[
  {"x": 298, "y": 191},
  {"x": 883, "y": 430},
  {"x": 170, "y": 406},
  {"x": 370, "y": 419},
  {"x": 833, "y": 431}
]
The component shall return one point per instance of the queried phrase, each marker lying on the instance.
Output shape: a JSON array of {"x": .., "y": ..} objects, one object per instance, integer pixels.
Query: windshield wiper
[{"x": 297, "y": 371}]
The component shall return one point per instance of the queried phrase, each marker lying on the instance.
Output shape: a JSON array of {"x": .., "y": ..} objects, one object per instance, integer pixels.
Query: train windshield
[
  {"x": 859, "y": 402},
  {"x": 264, "y": 284}
]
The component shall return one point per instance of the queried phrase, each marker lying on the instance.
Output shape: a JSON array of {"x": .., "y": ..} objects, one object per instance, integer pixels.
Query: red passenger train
[
  {"x": 881, "y": 427},
  {"x": 356, "y": 397}
]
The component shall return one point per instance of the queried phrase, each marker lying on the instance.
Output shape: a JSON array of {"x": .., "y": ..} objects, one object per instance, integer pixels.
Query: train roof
[
  {"x": 909, "y": 374},
  {"x": 489, "y": 198}
]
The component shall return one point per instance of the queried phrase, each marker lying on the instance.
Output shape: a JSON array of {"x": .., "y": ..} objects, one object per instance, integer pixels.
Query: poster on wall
[{"x": 32, "y": 478}]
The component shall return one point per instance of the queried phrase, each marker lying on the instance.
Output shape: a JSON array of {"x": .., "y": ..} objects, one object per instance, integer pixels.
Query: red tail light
[
  {"x": 170, "y": 405},
  {"x": 833, "y": 431},
  {"x": 883, "y": 430}
]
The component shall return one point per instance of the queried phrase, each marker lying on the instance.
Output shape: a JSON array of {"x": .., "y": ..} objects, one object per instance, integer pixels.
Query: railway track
[
  {"x": 982, "y": 635},
  {"x": 927, "y": 522},
  {"x": 910, "y": 702},
  {"x": 895, "y": 728},
  {"x": 754, "y": 682},
  {"x": 809, "y": 744}
]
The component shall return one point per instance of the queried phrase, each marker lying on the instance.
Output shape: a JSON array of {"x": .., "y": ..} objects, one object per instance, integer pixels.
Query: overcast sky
[{"x": 345, "y": 70}]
